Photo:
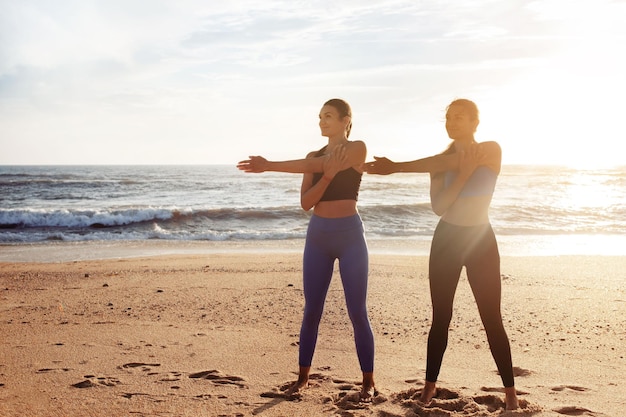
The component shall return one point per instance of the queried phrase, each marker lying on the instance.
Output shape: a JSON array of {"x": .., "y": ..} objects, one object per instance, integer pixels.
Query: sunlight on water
[
  {"x": 535, "y": 209},
  {"x": 588, "y": 191}
]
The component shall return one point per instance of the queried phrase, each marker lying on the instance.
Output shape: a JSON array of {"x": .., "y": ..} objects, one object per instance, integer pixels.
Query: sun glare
[
  {"x": 585, "y": 191},
  {"x": 554, "y": 118},
  {"x": 562, "y": 110}
]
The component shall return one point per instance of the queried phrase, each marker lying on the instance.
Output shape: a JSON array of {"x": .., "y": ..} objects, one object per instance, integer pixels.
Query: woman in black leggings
[{"x": 463, "y": 238}]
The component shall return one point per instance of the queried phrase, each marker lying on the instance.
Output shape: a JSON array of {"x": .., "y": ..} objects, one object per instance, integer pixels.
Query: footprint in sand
[
  {"x": 491, "y": 402},
  {"x": 144, "y": 366},
  {"x": 501, "y": 389},
  {"x": 445, "y": 402},
  {"x": 171, "y": 377},
  {"x": 349, "y": 397},
  {"x": 44, "y": 370},
  {"x": 448, "y": 402},
  {"x": 349, "y": 401},
  {"x": 575, "y": 411},
  {"x": 281, "y": 391},
  {"x": 92, "y": 381},
  {"x": 570, "y": 387},
  {"x": 517, "y": 371},
  {"x": 218, "y": 378}
]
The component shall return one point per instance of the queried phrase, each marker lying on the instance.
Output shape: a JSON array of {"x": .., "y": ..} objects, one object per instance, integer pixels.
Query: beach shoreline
[
  {"x": 215, "y": 334},
  {"x": 510, "y": 246},
  {"x": 45, "y": 252}
]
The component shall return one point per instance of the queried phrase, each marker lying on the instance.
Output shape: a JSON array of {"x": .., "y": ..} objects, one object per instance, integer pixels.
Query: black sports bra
[{"x": 344, "y": 186}]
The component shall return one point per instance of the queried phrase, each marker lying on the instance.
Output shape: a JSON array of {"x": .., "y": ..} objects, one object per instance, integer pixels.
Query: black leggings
[{"x": 474, "y": 247}]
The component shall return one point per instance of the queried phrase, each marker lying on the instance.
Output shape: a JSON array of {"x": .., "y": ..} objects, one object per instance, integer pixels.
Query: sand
[{"x": 216, "y": 335}]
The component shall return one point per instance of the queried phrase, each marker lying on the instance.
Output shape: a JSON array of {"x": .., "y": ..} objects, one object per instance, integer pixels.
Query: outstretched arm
[
  {"x": 257, "y": 164},
  {"x": 437, "y": 163},
  {"x": 487, "y": 152}
]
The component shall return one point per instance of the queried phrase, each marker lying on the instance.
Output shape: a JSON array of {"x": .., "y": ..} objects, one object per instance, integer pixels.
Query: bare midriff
[
  {"x": 468, "y": 211},
  {"x": 335, "y": 209}
]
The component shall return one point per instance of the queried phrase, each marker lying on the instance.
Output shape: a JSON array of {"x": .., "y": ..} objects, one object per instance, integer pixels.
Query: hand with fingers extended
[
  {"x": 380, "y": 165},
  {"x": 255, "y": 164}
]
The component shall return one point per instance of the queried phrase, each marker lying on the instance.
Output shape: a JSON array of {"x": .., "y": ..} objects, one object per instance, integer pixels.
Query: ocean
[{"x": 536, "y": 210}]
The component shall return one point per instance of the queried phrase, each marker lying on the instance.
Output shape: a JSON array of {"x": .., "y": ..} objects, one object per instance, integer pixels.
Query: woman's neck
[
  {"x": 460, "y": 144},
  {"x": 337, "y": 140}
]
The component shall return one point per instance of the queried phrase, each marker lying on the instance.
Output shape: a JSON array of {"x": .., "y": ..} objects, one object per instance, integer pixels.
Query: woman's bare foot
[
  {"x": 302, "y": 382},
  {"x": 296, "y": 387},
  {"x": 368, "y": 389},
  {"x": 428, "y": 392},
  {"x": 511, "y": 398}
]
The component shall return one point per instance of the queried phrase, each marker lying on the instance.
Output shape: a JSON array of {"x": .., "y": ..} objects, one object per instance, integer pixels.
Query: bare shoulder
[
  {"x": 357, "y": 146},
  {"x": 356, "y": 143},
  {"x": 491, "y": 147},
  {"x": 493, "y": 155},
  {"x": 311, "y": 154}
]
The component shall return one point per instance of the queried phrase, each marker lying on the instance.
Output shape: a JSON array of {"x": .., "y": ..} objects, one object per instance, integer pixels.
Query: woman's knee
[
  {"x": 496, "y": 334},
  {"x": 359, "y": 317},
  {"x": 442, "y": 316},
  {"x": 312, "y": 316}
]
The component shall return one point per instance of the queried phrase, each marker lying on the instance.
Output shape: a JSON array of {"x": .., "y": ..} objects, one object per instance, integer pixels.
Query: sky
[{"x": 207, "y": 82}]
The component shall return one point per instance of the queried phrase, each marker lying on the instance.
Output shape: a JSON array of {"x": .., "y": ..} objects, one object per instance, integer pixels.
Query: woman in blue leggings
[{"x": 330, "y": 186}]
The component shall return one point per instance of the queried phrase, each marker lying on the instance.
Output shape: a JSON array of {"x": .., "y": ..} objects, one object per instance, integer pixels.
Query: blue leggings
[{"x": 327, "y": 240}]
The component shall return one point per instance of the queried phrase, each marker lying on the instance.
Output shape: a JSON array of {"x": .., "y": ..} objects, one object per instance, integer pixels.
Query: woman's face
[
  {"x": 331, "y": 124},
  {"x": 459, "y": 123}
]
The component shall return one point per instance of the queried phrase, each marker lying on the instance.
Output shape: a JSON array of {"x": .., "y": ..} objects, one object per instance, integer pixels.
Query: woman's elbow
[
  {"x": 305, "y": 205},
  {"x": 438, "y": 209}
]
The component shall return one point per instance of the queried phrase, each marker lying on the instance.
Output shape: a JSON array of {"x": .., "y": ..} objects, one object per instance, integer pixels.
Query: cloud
[{"x": 149, "y": 74}]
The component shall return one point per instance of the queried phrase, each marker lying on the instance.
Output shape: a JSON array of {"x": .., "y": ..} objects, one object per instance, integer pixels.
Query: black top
[{"x": 344, "y": 186}]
